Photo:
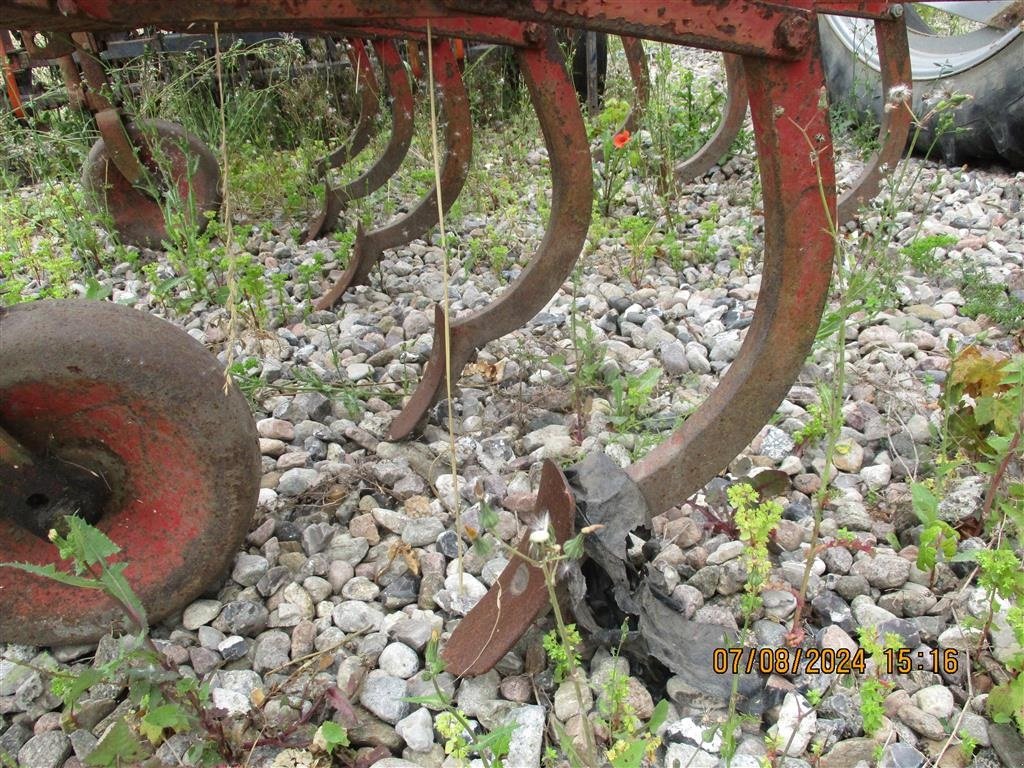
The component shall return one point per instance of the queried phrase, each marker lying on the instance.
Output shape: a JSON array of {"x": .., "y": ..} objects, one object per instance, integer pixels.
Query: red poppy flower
[{"x": 620, "y": 139}]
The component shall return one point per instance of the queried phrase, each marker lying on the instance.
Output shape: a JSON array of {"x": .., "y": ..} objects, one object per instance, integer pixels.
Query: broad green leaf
[
  {"x": 333, "y": 735},
  {"x": 91, "y": 543},
  {"x": 925, "y": 504},
  {"x": 49, "y": 571},
  {"x": 658, "y": 716},
  {"x": 117, "y": 587},
  {"x": 157, "y": 720},
  {"x": 632, "y": 756},
  {"x": 119, "y": 746}
]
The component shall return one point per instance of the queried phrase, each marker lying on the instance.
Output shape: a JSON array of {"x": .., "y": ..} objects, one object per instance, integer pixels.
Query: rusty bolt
[{"x": 793, "y": 34}]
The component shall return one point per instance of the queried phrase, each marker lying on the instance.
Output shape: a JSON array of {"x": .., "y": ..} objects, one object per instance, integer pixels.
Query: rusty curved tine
[
  {"x": 705, "y": 158},
  {"x": 894, "y": 62},
  {"x": 412, "y": 49},
  {"x": 374, "y": 177},
  {"x": 636, "y": 60},
  {"x": 554, "y": 100},
  {"x": 369, "y": 106},
  {"x": 370, "y": 246},
  {"x": 784, "y": 103}
]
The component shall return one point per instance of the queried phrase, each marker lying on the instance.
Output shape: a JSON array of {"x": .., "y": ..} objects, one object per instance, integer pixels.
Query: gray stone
[
  {"x": 527, "y": 738},
  {"x": 82, "y": 743},
  {"x": 198, "y": 613},
  {"x": 233, "y": 647},
  {"x": 921, "y": 722},
  {"x": 727, "y": 551},
  {"x": 416, "y": 630},
  {"x": 357, "y": 616},
  {"x": 272, "y": 651},
  {"x": 689, "y": 756},
  {"x": 11, "y": 676},
  {"x": 297, "y": 481},
  {"x": 417, "y": 730},
  {"x": 883, "y": 571},
  {"x": 419, "y": 532},
  {"x": 936, "y": 700},
  {"x": 242, "y": 617},
  {"x": 960, "y": 638},
  {"x": 14, "y": 738},
  {"x": 474, "y": 691},
  {"x": 795, "y": 726},
  {"x": 900, "y": 755},
  {"x": 45, "y": 750},
  {"x": 360, "y": 588},
  {"x": 316, "y": 537},
  {"x": 249, "y": 569},
  {"x": 384, "y": 695},
  {"x": 673, "y": 358},
  {"x": 399, "y": 660},
  {"x": 963, "y": 499},
  {"x": 848, "y": 456},
  {"x": 276, "y": 429},
  {"x": 776, "y": 444},
  {"x": 849, "y": 754},
  {"x": 273, "y": 580}
]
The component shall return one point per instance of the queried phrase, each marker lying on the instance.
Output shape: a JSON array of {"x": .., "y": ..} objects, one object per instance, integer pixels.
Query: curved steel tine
[
  {"x": 374, "y": 177},
  {"x": 639, "y": 73},
  {"x": 508, "y": 609},
  {"x": 784, "y": 102},
  {"x": 369, "y": 106},
  {"x": 705, "y": 158},
  {"x": 370, "y": 246},
  {"x": 894, "y": 62},
  {"x": 565, "y": 136}
]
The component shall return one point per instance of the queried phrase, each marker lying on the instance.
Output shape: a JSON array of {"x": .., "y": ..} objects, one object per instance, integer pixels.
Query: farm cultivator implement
[{"x": 121, "y": 418}]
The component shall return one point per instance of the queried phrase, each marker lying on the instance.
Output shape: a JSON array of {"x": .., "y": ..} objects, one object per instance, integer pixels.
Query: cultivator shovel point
[
  {"x": 520, "y": 594},
  {"x": 152, "y": 449},
  {"x": 565, "y": 137},
  {"x": 369, "y": 247},
  {"x": 374, "y": 177}
]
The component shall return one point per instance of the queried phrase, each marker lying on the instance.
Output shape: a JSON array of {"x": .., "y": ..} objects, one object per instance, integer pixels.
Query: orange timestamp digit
[{"x": 828, "y": 661}]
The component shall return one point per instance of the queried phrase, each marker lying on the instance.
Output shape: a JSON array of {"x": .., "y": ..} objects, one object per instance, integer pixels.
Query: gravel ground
[{"x": 351, "y": 558}]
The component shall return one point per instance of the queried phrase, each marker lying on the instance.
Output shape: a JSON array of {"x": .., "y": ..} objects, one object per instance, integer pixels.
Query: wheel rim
[
  {"x": 933, "y": 56},
  {"x": 122, "y": 393},
  {"x": 184, "y": 163}
]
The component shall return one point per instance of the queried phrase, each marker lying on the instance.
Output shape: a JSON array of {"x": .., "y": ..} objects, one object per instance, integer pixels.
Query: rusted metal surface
[
  {"x": 374, "y": 177},
  {"x": 508, "y": 609},
  {"x": 7, "y": 72},
  {"x": 369, "y": 247},
  {"x": 636, "y": 60},
  {"x": 182, "y": 491},
  {"x": 39, "y": 490},
  {"x": 369, "y": 106},
  {"x": 796, "y": 166},
  {"x": 551, "y": 90},
  {"x": 735, "y": 112},
  {"x": 171, "y": 156},
  {"x": 894, "y": 62},
  {"x": 749, "y": 27}
]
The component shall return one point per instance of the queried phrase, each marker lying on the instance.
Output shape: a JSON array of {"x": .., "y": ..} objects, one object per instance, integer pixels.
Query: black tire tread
[{"x": 987, "y": 128}]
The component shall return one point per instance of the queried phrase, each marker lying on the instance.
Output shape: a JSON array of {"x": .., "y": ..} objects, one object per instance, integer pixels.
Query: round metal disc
[
  {"x": 182, "y": 161},
  {"x": 139, "y": 402}
]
